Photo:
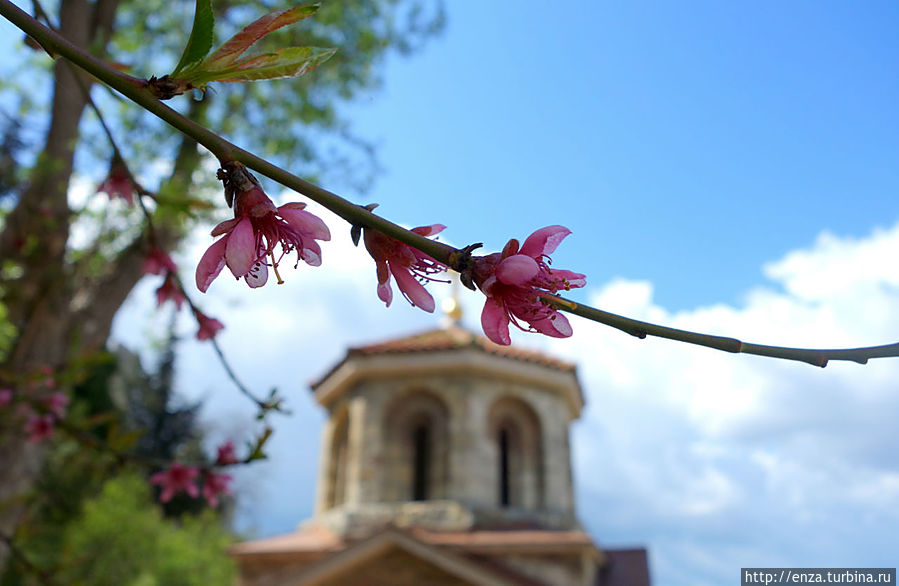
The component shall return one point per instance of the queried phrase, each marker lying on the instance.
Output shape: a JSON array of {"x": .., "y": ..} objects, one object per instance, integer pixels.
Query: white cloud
[{"x": 729, "y": 450}]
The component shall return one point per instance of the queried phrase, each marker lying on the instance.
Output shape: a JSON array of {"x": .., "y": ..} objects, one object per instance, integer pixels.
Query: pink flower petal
[
  {"x": 429, "y": 230},
  {"x": 555, "y": 326},
  {"x": 157, "y": 262},
  {"x": 305, "y": 223},
  {"x": 495, "y": 322},
  {"x": 509, "y": 249},
  {"x": 415, "y": 292},
  {"x": 312, "y": 253},
  {"x": 517, "y": 269},
  {"x": 571, "y": 279},
  {"x": 211, "y": 264},
  {"x": 209, "y": 326},
  {"x": 257, "y": 276},
  {"x": 225, "y": 226},
  {"x": 240, "y": 253},
  {"x": 226, "y": 455},
  {"x": 487, "y": 285},
  {"x": 167, "y": 493},
  {"x": 385, "y": 293},
  {"x": 544, "y": 241}
]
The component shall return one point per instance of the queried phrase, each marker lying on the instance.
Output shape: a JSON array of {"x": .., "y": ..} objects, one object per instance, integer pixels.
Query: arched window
[
  {"x": 516, "y": 433},
  {"x": 421, "y": 462},
  {"x": 417, "y": 448},
  {"x": 505, "y": 479}
]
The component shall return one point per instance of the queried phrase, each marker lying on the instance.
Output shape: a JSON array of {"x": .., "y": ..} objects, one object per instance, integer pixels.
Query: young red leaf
[
  {"x": 290, "y": 62},
  {"x": 228, "y": 53}
]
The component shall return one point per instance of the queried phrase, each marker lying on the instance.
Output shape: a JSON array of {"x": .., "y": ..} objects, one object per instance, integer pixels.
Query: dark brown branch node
[
  {"x": 461, "y": 261},
  {"x": 166, "y": 88}
]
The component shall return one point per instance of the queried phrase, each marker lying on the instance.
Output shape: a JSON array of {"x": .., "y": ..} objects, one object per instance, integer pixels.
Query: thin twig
[
  {"x": 641, "y": 329},
  {"x": 221, "y": 355}
]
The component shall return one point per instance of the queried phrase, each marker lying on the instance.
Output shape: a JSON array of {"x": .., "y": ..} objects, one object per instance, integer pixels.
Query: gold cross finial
[{"x": 452, "y": 308}]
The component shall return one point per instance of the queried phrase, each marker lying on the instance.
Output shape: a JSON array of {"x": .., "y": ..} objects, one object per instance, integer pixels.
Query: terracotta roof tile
[
  {"x": 305, "y": 540},
  {"x": 455, "y": 337}
]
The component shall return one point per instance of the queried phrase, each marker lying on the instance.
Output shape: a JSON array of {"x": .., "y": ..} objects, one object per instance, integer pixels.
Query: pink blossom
[
  {"x": 5, "y": 397},
  {"x": 213, "y": 485},
  {"x": 56, "y": 404},
  {"x": 226, "y": 455},
  {"x": 169, "y": 290},
  {"x": 43, "y": 378},
  {"x": 251, "y": 236},
  {"x": 39, "y": 427},
  {"x": 209, "y": 326},
  {"x": 514, "y": 280},
  {"x": 157, "y": 262},
  {"x": 118, "y": 184},
  {"x": 178, "y": 478},
  {"x": 408, "y": 266}
]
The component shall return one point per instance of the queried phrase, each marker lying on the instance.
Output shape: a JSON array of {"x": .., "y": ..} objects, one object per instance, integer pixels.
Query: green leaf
[
  {"x": 200, "y": 40},
  {"x": 289, "y": 62},
  {"x": 234, "y": 47}
]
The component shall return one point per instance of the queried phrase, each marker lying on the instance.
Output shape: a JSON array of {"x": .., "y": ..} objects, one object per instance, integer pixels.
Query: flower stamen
[{"x": 275, "y": 267}]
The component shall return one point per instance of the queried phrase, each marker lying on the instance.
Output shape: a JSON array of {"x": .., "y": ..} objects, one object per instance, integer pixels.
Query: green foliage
[
  {"x": 122, "y": 539},
  {"x": 119, "y": 405},
  {"x": 200, "y": 40},
  {"x": 233, "y": 48},
  {"x": 7, "y": 333},
  {"x": 297, "y": 123},
  {"x": 195, "y": 70},
  {"x": 289, "y": 62}
]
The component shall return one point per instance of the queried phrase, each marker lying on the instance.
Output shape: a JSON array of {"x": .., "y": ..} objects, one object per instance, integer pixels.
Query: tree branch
[
  {"x": 134, "y": 89},
  {"x": 641, "y": 329}
]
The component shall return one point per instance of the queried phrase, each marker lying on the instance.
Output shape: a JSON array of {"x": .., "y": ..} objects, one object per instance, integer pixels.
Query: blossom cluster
[
  {"x": 158, "y": 262},
  {"x": 516, "y": 282},
  {"x": 409, "y": 266},
  {"x": 118, "y": 183},
  {"x": 37, "y": 405},
  {"x": 179, "y": 478},
  {"x": 249, "y": 240}
]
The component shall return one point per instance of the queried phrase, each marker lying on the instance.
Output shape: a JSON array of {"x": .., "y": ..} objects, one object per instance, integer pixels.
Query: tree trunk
[{"x": 34, "y": 238}]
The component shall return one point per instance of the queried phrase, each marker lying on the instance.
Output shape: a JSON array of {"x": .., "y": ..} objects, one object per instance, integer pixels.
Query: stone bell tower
[
  {"x": 445, "y": 460},
  {"x": 449, "y": 432}
]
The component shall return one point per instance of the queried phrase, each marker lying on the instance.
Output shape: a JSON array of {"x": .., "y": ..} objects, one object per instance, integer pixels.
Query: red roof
[{"x": 450, "y": 338}]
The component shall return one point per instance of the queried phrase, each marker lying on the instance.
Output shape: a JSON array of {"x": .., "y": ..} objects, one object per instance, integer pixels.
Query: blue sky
[
  {"x": 677, "y": 141},
  {"x": 726, "y": 167}
]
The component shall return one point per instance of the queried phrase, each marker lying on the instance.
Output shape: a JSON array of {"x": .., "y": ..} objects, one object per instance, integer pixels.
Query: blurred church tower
[{"x": 445, "y": 461}]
